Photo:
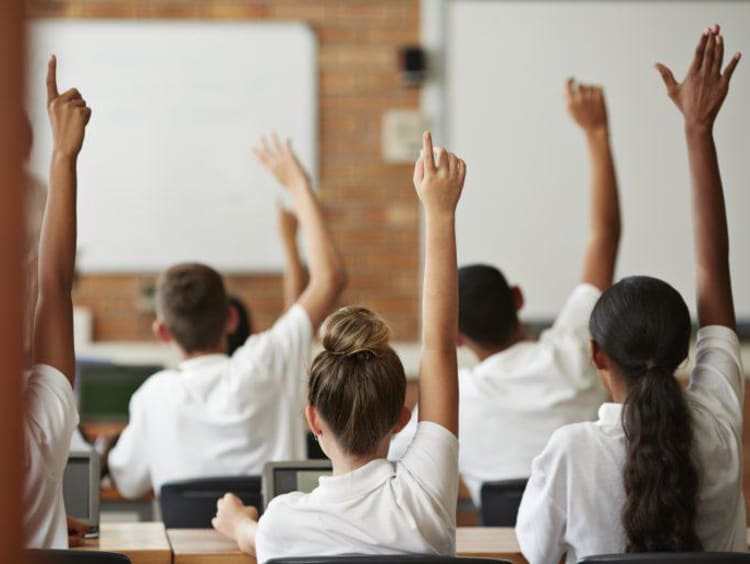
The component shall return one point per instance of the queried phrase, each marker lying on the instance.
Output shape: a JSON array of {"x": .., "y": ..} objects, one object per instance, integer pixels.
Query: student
[
  {"x": 522, "y": 389},
  {"x": 50, "y": 414},
  {"x": 662, "y": 469},
  {"x": 219, "y": 415},
  {"x": 356, "y": 402}
]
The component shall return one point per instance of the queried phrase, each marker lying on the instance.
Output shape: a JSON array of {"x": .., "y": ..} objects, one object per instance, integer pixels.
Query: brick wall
[{"x": 370, "y": 205}]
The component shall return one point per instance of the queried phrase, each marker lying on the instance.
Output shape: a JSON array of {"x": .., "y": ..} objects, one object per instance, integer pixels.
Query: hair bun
[{"x": 356, "y": 331}]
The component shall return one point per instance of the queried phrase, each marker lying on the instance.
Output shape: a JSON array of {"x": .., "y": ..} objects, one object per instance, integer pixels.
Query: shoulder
[
  {"x": 155, "y": 386},
  {"x": 280, "y": 510}
]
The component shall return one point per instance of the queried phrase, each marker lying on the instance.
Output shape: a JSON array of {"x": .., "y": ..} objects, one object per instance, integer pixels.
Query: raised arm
[
  {"x": 327, "y": 273},
  {"x": 439, "y": 186},
  {"x": 294, "y": 272},
  {"x": 699, "y": 97},
  {"x": 53, "y": 328},
  {"x": 587, "y": 107}
]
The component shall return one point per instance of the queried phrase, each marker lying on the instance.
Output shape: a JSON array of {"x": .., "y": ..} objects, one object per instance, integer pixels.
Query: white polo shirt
[
  {"x": 50, "y": 417},
  {"x": 219, "y": 415},
  {"x": 511, "y": 403},
  {"x": 574, "y": 499},
  {"x": 382, "y": 507}
]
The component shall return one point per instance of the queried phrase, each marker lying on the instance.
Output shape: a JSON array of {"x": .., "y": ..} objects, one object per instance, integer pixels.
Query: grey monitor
[
  {"x": 81, "y": 488},
  {"x": 300, "y": 476}
]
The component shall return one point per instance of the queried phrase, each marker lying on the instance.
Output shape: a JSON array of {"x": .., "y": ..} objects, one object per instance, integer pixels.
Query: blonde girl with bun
[{"x": 356, "y": 403}]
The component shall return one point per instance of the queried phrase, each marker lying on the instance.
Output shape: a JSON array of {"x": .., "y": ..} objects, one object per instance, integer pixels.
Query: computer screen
[
  {"x": 104, "y": 390},
  {"x": 297, "y": 480},
  {"x": 76, "y": 488}
]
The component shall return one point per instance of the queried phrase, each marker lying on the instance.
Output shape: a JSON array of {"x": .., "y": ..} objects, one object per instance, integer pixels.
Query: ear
[
  {"x": 460, "y": 340},
  {"x": 313, "y": 420},
  {"x": 233, "y": 320},
  {"x": 403, "y": 420},
  {"x": 518, "y": 299},
  {"x": 161, "y": 331},
  {"x": 598, "y": 356}
]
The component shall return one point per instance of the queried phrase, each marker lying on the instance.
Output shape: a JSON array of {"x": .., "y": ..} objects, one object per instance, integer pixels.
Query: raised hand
[
  {"x": 68, "y": 115},
  {"x": 702, "y": 92},
  {"x": 281, "y": 161},
  {"x": 438, "y": 177},
  {"x": 586, "y": 105}
]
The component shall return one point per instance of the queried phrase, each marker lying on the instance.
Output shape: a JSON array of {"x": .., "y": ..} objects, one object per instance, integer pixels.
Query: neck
[
  {"x": 219, "y": 349},
  {"x": 518, "y": 335},
  {"x": 344, "y": 463}
]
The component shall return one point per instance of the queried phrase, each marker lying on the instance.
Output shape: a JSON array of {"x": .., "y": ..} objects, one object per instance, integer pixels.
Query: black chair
[
  {"x": 191, "y": 504},
  {"x": 673, "y": 557},
  {"x": 74, "y": 557},
  {"x": 500, "y": 501},
  {"x": 386, "y": 559}
]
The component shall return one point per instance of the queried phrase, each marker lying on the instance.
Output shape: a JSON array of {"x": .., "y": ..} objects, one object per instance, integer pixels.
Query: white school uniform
[
  {"x": 574, "y": 499},
  {"x": 383, "y": 507},
  {"x": 219, "y": 415},
  {"x": 512, "y": 401},
  {"x": 50, "y": 417}
]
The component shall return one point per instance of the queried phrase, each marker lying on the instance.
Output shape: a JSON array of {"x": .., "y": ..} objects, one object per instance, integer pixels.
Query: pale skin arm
[
  {"x": 587, "y": 106},
  {"x": 439, "y": 182},
  {"x": 237, "y": 522},
  {"x": 294, "y": 272},
  {"x": 53, "y": 327},
  {"x": 699, "y": 97},
  {"x": 327, "y": 273}
]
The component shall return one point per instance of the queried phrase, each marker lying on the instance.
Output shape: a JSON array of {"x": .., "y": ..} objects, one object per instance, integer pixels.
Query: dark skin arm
[{"x": 699, "y": 97}]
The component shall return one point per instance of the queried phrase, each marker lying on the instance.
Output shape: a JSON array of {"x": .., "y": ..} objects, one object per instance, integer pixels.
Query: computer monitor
[
  {"x": 104, "y": 389},
  {"x": 301, "y": 476},
  {"x": 81, "y": 489}
]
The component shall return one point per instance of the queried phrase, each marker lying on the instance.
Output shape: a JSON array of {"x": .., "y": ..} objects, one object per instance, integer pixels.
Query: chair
[
  {"x": 191, "y": 504},
  {"x": 386, "y": 559},
  {"x": 500, "y": 501},
  {"x": 74, "y": 557},
  {"x": 672, "y": 557}
]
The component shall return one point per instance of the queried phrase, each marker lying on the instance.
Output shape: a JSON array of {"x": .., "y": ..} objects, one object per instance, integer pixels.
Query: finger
[
  {"x": 215, "y": 523},
  {"x": 709, "y": 53},
  {"x": 52, "y": 79},
  {"x": 716, "y": 29},
  {"x": 418, "y": 171},
  {"x": 276, "y": 142},
  {"x": 429, "y": 155},
  {"x": 68, "y": 95},
  {"x": 288, "y": 146},
  {"x": 570, "y": 88},
  {"x": 699, "y": 51},
  {"x": 462, "y": 171},
  {"x": 729, "y": 71},
  {"x": 442, "y": 158},
  {"x": 86, "y": 115},
  {"x": 718, "y": 56},
  {"x": 77, "y": 103},
  {"x": 452, "y": 164},
  {"x": 261, "y": 155},
  {"x": 264, "y": 144},
  {"x": 667, "y": 77}
]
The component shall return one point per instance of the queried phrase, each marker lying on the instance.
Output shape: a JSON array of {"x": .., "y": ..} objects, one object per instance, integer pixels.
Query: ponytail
[{"x": 643, "y": 326}]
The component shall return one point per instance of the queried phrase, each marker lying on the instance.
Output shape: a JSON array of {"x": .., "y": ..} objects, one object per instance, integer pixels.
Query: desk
[
  {"x": 143, "y": 543},
  {"x": 206, "y": 546}
]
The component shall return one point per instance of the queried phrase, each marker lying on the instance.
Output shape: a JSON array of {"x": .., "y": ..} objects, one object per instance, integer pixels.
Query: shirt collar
[
  {"x": 357, "y": 482},
  {"x": 610, "y": 414},
  {"x": 202, "y": 362}
]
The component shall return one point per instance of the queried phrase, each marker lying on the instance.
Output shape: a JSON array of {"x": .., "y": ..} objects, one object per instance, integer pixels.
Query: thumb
[{"x": 667, "y": 77}]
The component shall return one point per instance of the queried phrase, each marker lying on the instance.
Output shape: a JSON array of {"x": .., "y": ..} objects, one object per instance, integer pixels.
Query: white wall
[{"x": 525, "y": 203}]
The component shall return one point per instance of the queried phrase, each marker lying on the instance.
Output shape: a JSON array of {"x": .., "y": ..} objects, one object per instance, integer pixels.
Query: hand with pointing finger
[
  {"x": 438, "y": 178},
  {"x": 68, "y": 115},
  {"x": 702, "y": 92}
]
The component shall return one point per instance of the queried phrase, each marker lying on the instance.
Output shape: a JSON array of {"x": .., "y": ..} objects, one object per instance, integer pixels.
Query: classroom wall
[{"x": 370, "y": 205}]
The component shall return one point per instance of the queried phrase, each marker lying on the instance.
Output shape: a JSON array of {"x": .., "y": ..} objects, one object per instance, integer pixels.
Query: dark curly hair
[{"x": 643, "y": 325}]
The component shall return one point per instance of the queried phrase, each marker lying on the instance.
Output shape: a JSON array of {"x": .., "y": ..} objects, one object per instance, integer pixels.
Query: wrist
[
  {"x": 698, "y": 129},
  {"x": 62, "y": 156},
  {"x": 242, "y": 533},
  {"x": 598, "y": 134},
  {"x": 440, "y": 216}
]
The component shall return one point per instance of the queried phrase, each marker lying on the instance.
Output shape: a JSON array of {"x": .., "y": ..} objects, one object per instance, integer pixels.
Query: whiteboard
[
  {"x": 525, "y": 204},
  {"x": 167, "y": 174}
]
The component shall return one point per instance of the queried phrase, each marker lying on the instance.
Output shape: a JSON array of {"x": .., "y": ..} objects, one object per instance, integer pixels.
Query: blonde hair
[{"x": 357, "y": 383}]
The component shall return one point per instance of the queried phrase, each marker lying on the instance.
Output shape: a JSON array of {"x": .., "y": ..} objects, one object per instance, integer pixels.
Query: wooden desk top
[
  {"x": 206, "y": 546},
  {"x": 144, "y": 543}
]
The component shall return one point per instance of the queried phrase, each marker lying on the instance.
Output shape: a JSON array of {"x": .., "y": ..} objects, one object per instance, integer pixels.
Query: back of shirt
[
  {"x": 219, "y": 416},
  {"x": 380, "y": 508},
  {"x": 50, "y": 418}
]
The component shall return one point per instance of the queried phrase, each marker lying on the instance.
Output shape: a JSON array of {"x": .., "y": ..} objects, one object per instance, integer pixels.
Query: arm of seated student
[
  {"x": 294, "y": 273},
  {"x": 76, "y": 533},
  {"x": 327, "y": 273},
  {"x": 699, "y": 97},
  {"x": 439, "y": 186},
  {"x": 587, "y": 107},
  {"x": 53, "y": 330},
  {"x": 236, "y": 521}
]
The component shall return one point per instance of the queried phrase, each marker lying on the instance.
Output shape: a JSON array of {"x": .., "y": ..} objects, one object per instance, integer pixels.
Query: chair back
[
  {"x": 500, "y": 501},
  {"x": 386, "y": 559},
  {"x": 669, "y": 557},
  {"x": 34, "y": 556}
]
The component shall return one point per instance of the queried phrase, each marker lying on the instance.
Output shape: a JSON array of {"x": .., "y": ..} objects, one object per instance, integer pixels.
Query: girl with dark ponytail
[{"x": 661, "y": 470}]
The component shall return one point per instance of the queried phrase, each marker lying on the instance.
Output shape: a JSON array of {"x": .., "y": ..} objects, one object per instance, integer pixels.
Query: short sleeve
[
  {"x": 575, "y": 314},
  {"x": 718, "y": 376},
  {"x": 285, "y": 348},
  {"x": 432, "y": 459},
  {"x": 50, "y": 408},
  {"x": 541, "y": 521},
  {"x": 128, "y": 460}
]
